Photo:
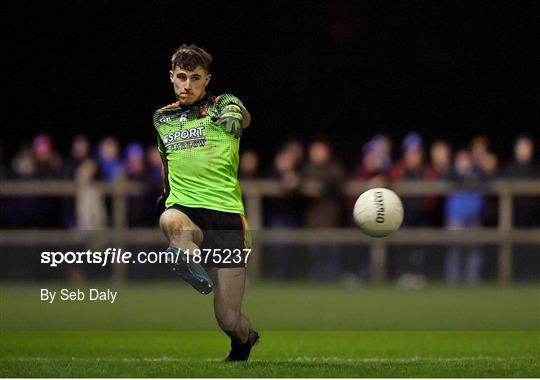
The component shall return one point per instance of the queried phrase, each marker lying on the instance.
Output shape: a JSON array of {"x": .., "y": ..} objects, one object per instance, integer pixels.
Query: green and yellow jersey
[{"x": 202, "y": 158}]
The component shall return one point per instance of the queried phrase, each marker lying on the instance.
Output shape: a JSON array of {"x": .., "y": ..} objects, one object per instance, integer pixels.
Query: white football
[{"x": 378, "y": 212}]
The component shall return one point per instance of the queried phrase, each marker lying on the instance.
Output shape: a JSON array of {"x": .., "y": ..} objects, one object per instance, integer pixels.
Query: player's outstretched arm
[{"x": 235, "y": 118}]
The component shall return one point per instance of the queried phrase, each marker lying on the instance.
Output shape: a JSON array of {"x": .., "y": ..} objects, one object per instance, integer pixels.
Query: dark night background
[{"x": 344, "y": 69}]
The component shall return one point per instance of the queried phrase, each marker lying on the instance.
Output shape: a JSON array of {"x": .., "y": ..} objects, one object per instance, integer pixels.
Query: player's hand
[
  {"x": 232, "y": 117},
  {"x": 160, "y": 203}
]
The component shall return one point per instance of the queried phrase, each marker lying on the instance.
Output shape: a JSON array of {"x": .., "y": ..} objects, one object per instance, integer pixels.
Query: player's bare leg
[
  {"x": 184, "y": 237},
  {"x": 180, "y": 230},
  {"x": 229, "y": 286}
]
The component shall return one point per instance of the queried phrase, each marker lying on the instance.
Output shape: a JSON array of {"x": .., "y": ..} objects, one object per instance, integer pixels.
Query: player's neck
[{"x": 196, "y": 103}]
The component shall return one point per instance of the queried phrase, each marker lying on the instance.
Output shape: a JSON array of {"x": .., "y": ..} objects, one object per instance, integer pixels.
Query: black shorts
[{"x": 226, "y": 238}]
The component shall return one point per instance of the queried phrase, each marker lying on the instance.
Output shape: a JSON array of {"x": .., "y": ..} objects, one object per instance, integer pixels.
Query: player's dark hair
[{"x": 188, "y": 57}]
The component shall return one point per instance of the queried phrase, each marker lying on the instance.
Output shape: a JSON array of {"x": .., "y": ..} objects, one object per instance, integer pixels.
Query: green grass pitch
[{"x": 307, "y": 330}]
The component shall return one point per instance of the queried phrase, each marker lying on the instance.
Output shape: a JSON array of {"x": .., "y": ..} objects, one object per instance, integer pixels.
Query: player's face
[{"x": 189, "y": 86}]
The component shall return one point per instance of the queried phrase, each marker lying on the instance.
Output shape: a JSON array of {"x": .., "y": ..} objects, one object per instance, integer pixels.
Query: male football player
[{"x": 203, "y": 218}]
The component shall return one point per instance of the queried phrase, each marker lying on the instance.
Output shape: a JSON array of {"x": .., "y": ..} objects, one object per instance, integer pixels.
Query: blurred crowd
[
  {"x": 381, "y": 161},
  {"x": 40, "y": 160},
  {"x": 84, "y": 164}
]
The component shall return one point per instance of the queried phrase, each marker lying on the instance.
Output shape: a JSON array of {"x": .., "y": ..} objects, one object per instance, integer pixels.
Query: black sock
[{"x": 235, "y": 341}]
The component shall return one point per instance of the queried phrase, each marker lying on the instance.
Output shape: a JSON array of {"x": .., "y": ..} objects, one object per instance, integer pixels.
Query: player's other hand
[
  {"x": 160, "y": 203},
  {"x": 232, "y": 117}
]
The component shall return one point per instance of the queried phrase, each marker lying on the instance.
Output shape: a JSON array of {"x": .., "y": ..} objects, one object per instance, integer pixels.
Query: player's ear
[
  {"x": 208, "y": 77},
  {"x": 171, "y": 75}
]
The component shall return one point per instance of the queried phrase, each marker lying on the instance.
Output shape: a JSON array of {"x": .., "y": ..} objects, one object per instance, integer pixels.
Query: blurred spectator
[
  {"x": 522, "y": 166},
  {"x": 374, "y": 165},
  {"x": 40, "y": 161},
  {"x": 439, "y": 169},
  {"x": 479, "y": 149},
  {"x": 89, "y": 203},
  {"x": 109, "y": 161},
  {"x": 87, "y": 213},
  {"x": 296, "y": 150},
  {"x": 20, "y": 210},
  {"x": 47, "y": 162},
  {"x": 155, "y": 183},
  {"x": 134, "y": 162},
  {"x": 485, "y": 164},
  {"x": 410, "y": 260},
  {"x": 369, "y": 165},
  {"x": 285, "y": 211},
  {"x": 23, "y": 164},
  {"x": 464, "y": 208},
  {"x": 440, "y": 166},
  {"x": 382, "y": 147},
  {"x": 110, "y": 165},
  {"x": 135, "y": 170},
  {"x": 411, "y": 167},
  {"x": 489, "y": 166},
  {"x": 323, "y": 179},
  {"x": 287, "y": 169},
  {"x": 153, "y": 159},
  {"x": 524, "y": 151},
  {"x": 249, "y": 165},
  {"x": 80, "y": 151},
  {"x": 526, "y": 209}
]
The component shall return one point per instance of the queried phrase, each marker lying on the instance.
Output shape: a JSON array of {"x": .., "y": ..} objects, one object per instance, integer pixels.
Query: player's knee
[{"x": 172, "y": 220}]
